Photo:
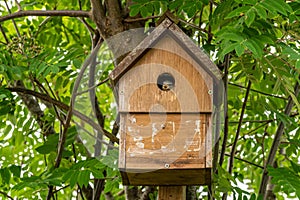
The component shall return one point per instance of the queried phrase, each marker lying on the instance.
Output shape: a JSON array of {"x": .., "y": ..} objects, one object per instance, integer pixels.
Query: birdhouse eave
[{"x": 167, "y": 26}]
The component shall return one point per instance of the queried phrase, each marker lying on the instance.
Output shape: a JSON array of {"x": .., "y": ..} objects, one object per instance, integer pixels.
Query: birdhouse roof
[{"x": 167, "y": 26}]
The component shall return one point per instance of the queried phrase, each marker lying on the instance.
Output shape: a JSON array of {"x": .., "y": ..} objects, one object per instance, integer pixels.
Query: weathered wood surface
[
  {"x": 138, "y": 90},
  {"x": 151, "y": 142},
  {"x": 168, "y": 177},
  {"x": 166, "y": 135},
  {"x": 172, "y": 193}
]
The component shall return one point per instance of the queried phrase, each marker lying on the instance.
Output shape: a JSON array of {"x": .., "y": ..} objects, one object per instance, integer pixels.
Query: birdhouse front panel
[
  {"x": 165, "y": 105},
  {"x": 174, "y": 142},
  {"x": 141, "y": 88}
]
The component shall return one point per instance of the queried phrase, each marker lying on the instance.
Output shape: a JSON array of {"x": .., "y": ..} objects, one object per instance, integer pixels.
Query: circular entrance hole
[{"x": 165, "y": 81}]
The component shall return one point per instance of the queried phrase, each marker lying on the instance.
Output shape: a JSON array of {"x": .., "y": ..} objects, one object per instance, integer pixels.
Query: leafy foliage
[{"x": 41, "y": 58}]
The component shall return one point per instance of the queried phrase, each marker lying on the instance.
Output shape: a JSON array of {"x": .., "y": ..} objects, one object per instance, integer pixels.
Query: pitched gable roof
[{"x": 166, "y": 26}]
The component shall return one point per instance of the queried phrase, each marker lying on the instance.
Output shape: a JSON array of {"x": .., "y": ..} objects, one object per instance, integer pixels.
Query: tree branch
[
  {"x": 276, "y": 143},
  {"x": 6, "y": 195},
  {"x": 25, "y": 13},
  {"x": 225, "y": 80},
  {"x": 63, "y": 106},
  {"x": 63, "y": 136},
  {"x": 98, "y": 16},
  {"x": 233, "y": 150},
  {"x": 35, "y": 109}
]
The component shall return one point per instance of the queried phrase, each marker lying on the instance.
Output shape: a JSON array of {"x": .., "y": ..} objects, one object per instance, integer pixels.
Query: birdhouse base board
[{"x": 168, "y": 177}]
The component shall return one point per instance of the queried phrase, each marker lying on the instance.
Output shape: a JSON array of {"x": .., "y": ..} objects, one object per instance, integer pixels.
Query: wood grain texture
[
  {"x": 166, "y": 135},
  {"x": 169, "y": 177},
  {"x": 153, "y": 142},
  {"x": 172, "y": 193},
  {"x": 138, "y": 90}
]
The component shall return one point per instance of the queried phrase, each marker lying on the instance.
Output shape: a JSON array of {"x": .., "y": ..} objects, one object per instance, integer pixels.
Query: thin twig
[
  {"x": 256, "y": 128},
  {"x": 62, "y": 188},
  {"x": 195, "y": 27},
  {"x": 4, "y": 34},
  {"x": 276, "y": 143},
  {"x": 93, "y": 87},
  {"x": 233, "y": 149},
  {"x": 62, "y": 13},
  {"x": 6, "y": 195},
  {"x": 14, "y": 23},
  {"x": 96, "y": 138},
  {"x": 246, "y": 161},
  {"x": 210, "y": 35},
  {"x": 130, "y": 20},
  {"x": 254, "y": 121},
  {"x": 260, "y": 92}
]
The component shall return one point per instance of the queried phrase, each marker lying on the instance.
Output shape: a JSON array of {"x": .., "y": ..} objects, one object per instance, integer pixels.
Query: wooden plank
[
  {"x": 150, "y": 164},
  {"x": 208, "y": 142},
  {"x": 172, "y": 193},
  {"x": 153, "y": 140},
  {"x": 193, "y": 86},
  {"x": 122, "y": 142},
  {"x": 170, "y": 177}
]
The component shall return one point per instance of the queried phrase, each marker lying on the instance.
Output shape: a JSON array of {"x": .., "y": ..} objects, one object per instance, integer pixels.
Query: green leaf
[
  {"x": 144, "y": 11},
  {"x": 261, "y": 11},
  {"x": 150, "y": 8},
  {"x": 15, "y": 170},
  {"x": 229, "y": 48},
  {"x": 251, "y": 2},
  {"x": 286, "y": 179},
  {"x": 231, "y": 36},
  {"x": 71, "y": 135},
  {"x": 73, "y": 179},
  {"x": 97, "y": 173},
  {"x": 5, "y": 175},
  {"x": 134, "y": 10},
  {"x": 238, "y": 12},
  {"x": 191, "y": 11},
  {"x": 41, "y": 68},
  {"x": 279, "y": 6},
  {"x": 67, "y": 175},
  {"x": 175, "y": 4},
  {"x": 291, "y": 52},
  {"x": 295, "y": 99},
  {"x": 83, "y": 178},
  {"x": 298, "y": 64},
  {"x": 156, "y": 6},
  {"x": 296, "y": 167},
  {"x": 254, "y": 48},
  {"x": 239, "y": 49},
  {"x": 46, "y": 148},
  {"x": 249, "y": 17},
  {"x": 109, "y": 186}
]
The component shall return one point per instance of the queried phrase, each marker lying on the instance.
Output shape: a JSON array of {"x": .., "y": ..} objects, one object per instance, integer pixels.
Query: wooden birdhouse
[{"x": 165, "y": 91}]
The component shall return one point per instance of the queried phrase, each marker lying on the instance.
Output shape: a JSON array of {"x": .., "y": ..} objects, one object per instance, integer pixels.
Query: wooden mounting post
[{"x": 172, "y": 193}]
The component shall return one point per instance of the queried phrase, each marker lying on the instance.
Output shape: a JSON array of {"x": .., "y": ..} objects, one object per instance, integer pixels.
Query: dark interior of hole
[{"x": 165, "y": 81}]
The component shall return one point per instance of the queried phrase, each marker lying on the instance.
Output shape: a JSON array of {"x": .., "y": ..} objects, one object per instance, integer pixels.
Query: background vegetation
[{"x": 58, "y": 113}]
